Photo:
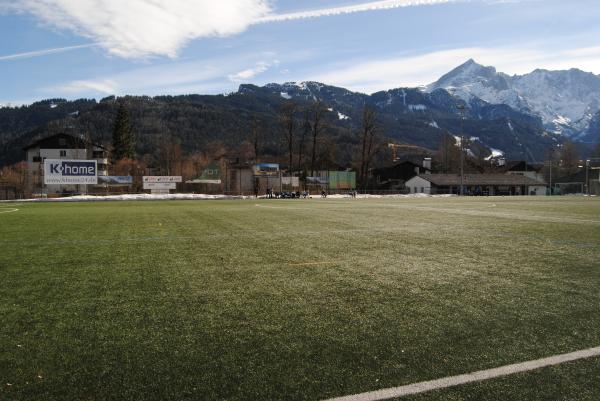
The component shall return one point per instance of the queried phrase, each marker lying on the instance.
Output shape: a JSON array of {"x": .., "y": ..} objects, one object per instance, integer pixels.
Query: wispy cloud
[
  {"x": 146, "y": 28},
  {"x": 356, "y": 8},
  {"x": 104, "y": 86},
  {"x": 143, "y": 28},
  {"x": 44, "y": 52},
  {"x": 216, "y": 75}
]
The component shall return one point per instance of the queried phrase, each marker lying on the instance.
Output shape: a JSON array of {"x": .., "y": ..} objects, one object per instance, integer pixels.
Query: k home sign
[{"x": 70, "y": 172}]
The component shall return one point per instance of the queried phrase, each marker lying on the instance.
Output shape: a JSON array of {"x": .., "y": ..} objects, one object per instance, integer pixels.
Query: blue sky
[{"x": 76, "y": 48}]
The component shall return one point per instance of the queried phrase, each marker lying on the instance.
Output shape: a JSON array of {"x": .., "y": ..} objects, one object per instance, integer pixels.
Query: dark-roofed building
[
  {"x": 394, "y": 177},
  {"x": 570, "y": 184},
  {"x": 533, "y": 171},
  {"x": 476, "y": 184}
]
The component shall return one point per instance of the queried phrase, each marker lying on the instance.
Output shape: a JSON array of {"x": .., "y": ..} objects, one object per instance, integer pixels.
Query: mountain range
[
  {"x": 518, "y": 116},
  {"x": 568, "y": 102}
]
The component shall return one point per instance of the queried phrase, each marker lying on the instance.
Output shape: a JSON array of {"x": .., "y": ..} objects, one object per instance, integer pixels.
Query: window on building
[
  {"x": 422, "y": 190},
  {"x": 36, "y": 159},
  {"x": 63, "y": 153},
  {"x": 415, "y": 190}
]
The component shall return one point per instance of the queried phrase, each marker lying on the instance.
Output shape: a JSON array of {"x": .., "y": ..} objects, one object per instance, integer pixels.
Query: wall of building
[
  {"x": 538, "y": 191},
  {"x": 418, "y": 185},
  {"x": 35, "y": 179}
]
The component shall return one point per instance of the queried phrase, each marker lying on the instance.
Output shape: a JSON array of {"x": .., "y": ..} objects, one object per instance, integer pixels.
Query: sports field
[{"x": 297, "y": 299}]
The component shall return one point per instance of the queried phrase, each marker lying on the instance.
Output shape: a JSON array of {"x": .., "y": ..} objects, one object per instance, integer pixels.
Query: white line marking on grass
[
  {"x": 312, "y": 263},
  {"x": 8, "y": 210},
  {"x": 503, "y": 215},
  {"x": 417, "y": 388},
  {"x": 284, "y": 207}
]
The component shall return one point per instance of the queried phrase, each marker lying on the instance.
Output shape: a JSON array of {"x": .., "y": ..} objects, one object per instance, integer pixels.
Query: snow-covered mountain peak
[
  {"x": 471, "y": 73},
  {"x": 566, "y": 101}
]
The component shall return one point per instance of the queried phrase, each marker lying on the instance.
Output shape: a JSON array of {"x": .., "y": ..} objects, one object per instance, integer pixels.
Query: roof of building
[
  {"x": 521, "y": 165},
  {"x": 54, "y": 142},
  {"x": 480, "y": 179},
  {"x": 578, "y": 176},
  {"x": 401, "y": 164}
]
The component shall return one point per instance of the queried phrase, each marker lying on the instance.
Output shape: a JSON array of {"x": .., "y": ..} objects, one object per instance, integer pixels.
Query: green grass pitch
[{"x": 297, "y": 299}]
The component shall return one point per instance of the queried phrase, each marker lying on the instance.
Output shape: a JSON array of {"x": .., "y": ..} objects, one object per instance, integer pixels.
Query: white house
[{"x": 60, "y": 146}]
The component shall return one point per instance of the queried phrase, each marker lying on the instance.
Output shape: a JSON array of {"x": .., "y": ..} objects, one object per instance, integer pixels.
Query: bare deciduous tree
[
  {"x": 306, "y": 128},
  {"x": 257, "y": 137},
  {"x": 368, "y": 133},
  {"x": 317, "y": 126},
  {"x": 287, "y": 118}
]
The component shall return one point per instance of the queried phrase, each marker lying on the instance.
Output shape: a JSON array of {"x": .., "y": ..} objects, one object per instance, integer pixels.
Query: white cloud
[
  {"x": 250, "y": 73},
  {"x": 356, "y": 8},
  {"x": 104, "y": 86},
  {"x": 142, "y": 28},
  {"x": 422, "y": 69},
  {"x": 215, "y": 75}
]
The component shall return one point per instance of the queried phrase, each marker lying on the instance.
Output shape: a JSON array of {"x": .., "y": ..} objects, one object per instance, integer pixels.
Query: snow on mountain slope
[{"x": 566, "y": 101}]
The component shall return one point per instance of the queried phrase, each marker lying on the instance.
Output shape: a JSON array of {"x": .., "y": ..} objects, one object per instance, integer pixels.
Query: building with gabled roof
[{"x": 476, "y": 184}]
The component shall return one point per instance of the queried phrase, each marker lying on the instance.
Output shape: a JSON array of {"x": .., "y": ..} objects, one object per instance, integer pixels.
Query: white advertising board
[
  {"x": 63, "y": 171},
  {"x": 161, "y": 178},
  {"x": 160, "y": 185}
]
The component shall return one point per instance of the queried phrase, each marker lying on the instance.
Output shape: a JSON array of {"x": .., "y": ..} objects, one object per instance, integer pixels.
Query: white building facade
[{"x": 60, "y": 146}]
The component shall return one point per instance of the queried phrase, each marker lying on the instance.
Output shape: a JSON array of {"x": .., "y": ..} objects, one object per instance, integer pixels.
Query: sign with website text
[
  {"x": 62, "y": 171},
  {"x": 161, "y": 178},
  {"x": 160, "y": 185}
]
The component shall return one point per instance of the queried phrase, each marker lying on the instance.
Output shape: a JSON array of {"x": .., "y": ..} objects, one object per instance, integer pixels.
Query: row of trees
[
  {"x": 305, "y": 147},
  {"x": 303, "y": 129}
]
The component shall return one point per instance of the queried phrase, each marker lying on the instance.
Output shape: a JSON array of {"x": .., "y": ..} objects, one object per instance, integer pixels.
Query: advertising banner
[
  {"x": 266, "y": 169},
  {"x": 160, "y": 185},
  {"x": 342, "y": 180},
  {"x": 115, "y": 180},
  {"x": 161, "y": 178},
  {"x": 317, "y": 180},
  {"x": 210, "y": 175},
  {"x": 291, "y": 181},
  {"x": 62, "y": 171}
]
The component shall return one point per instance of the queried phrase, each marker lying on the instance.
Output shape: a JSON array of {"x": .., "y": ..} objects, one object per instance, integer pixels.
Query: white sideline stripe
[
  {"x": 451, "y": 381},
  {"x": 8, "y": 210}
]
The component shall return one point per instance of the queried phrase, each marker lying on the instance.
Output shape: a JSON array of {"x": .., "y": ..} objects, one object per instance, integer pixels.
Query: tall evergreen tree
[{"x": 123, "y": 136}]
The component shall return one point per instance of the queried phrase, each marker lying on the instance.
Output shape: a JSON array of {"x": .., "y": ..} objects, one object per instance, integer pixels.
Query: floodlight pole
[
  {"x": 462, "y": 148},
  {"x": 587, "y": 173},
  {"x": 587, "y": 180}
]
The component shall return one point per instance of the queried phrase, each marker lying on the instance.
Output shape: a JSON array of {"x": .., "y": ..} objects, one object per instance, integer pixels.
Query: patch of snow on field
[
  {"x": 137, "y": 197},
  {"x": 342, "y": 116},
  {"x": 369, "y": 196},
  {"x": 285, "y": 95},
  {"x": 150, "y": 197}
]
